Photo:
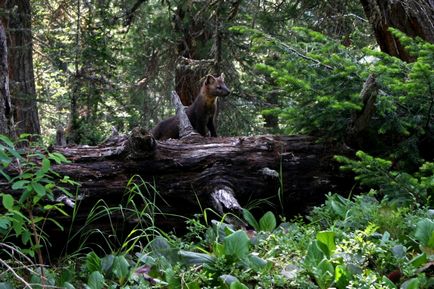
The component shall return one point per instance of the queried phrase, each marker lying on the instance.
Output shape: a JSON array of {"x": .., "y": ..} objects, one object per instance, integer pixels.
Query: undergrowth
[{"x": 381, "y": 239}]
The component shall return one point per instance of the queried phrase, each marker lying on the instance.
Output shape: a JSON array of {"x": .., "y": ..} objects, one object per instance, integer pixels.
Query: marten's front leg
[{"x": 211, "y": 127}]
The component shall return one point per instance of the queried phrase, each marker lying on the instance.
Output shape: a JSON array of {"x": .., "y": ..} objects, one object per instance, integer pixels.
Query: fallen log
[
  {"x": 182, "y": 177},
  {"x": 221, "y": 173}
]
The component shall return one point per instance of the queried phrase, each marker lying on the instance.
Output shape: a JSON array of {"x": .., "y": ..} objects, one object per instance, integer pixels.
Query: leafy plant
[
  {"x": 267, "y": 222},
  {"x": 31, "y": 176},
  {"x": 425, "y": 235},
  {"x": 397, "y": 186}
]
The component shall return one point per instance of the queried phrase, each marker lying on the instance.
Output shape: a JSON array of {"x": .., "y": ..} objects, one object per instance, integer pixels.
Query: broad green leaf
[
  {"x": 95, "y": 281},
  {"x": 161, "y": 248},
  {"x": 5, "y": 223},
  {"x": 324, "y": 274},
  {"x": 14, "y": 153},
  {"x": 26, "y": 176},
  {"x": 385, "y": 238},
  {"x": 188, "y": 257},
  {"x": 93, "y": 262},
  {"x": 39, "y": 189},
  {"x": 342, "y": 276},
  {"x": 267, "y": 222},
  {"x": 250, "y": 219},
  {"x": 191, "y": 285},
  {"x": 228, "y": 279},
  {"x": 36, "y": 278},
  {"x": 238, "y": 285},
  {"x": 419, "y": 260},
  {"x": 399, "y": 251},
  {"x": 314, "y": 254},
  {"x": 68, "y": 285},
  {"x": 326, "y": 242},
  {"x": 45, "y": 165},
  {"x": 25, "y": 236},
  {"x": 425, "y": 232},
  {"x": 38, "y": 219},
  {"x": 56, "y": 207},
  {"x": 411, "y": 284},
  {"x": 338, "y": 208},
  {"x": 255, "y": 262},
  {"x": 107, "y": 263},
  {"x": 29, "y": 252},
  {"x": 236, "y": 244},
  {"x": 66, "y": 276},
  {"x": 8, "y": 202},
  {"x": 219, "y": 249},
  {"x": 121, "y": 269},
  {"x": 326, "y": 266},
  {"x": 5, "y": 159},
  {"x": 24, "y": 196},
  {"x": 172, "y": 278},
  {"x": 6, "y": 140},
  {"x": 58, "y": 157},
  {"x": 18, "y": 185}
]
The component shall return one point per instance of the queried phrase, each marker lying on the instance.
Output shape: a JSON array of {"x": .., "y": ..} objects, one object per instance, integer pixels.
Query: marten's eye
[{"x": 219, "y": 87}]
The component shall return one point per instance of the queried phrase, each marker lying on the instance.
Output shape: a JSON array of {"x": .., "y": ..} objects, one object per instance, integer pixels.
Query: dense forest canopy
[
  {"x": 103, "y": 64},
  {"x": 113, "y": 63},
  {"x": 350, "y": 78}
]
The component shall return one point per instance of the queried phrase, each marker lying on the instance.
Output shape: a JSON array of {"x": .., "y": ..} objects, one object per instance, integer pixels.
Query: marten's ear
[
  {"x": 209, "y": 79},
  {"x": 222, "y": 76}
]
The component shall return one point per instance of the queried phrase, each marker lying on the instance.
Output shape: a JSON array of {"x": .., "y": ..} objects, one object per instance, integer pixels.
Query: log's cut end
[{"x": 140, "y": 144}]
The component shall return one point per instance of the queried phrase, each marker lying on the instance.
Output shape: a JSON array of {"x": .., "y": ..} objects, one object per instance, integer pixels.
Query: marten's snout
[{"x": 223, "y": 90}]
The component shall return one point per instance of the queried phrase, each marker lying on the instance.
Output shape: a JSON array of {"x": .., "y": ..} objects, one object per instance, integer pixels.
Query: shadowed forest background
[
  {"x": 341, "y": 83},
  {"x": 99, "y": 64}
]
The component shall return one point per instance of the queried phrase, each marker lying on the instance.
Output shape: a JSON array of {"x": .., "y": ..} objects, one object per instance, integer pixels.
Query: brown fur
[{"x": 201, "y": 113}]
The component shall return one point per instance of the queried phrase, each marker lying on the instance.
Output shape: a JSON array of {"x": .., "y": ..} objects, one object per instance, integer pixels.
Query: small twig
[
  {"x": 294, "y": 51},
  {"x": 17, "y": 251},
  {"x": 9, "y": 268}
]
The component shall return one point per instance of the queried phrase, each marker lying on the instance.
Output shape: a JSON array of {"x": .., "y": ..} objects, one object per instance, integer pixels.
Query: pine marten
[{"x": 201, "y": 113}]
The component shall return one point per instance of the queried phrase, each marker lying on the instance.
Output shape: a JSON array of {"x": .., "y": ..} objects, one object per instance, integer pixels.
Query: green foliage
[
  {"x": 31, "y": 176},
  {"x": 318, "y": 78},
  {"x": 267, "y": 223},
  {"x": 397, "y": 186},
  {"x": 296, "y": 67},
  {"x": 345, "y": 244},
  {"x": 322, "y": 85},
  {"x": 425, "y": 235}
]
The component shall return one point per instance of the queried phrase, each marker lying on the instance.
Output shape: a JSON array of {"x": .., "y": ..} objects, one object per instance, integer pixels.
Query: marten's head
[{"x": 215, "y": 86}]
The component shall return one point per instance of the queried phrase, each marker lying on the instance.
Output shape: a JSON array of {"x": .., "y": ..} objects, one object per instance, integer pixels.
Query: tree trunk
[
  {"x": 21, "y": 77},
  {"x": 6, "y": 117},
  {"x": 194, "y": 54},
  {"x": 413, "y": 17}
]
